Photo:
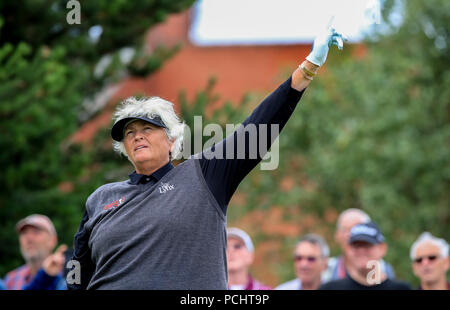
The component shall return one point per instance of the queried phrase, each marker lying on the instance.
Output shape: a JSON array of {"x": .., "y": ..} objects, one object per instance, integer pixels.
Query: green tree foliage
[
  {"x": 227, "y": 114},
  {"x": 48, "y": 72}
]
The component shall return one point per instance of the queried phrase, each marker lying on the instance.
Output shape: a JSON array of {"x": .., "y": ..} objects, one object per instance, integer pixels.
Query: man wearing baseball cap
[
  {"x": 43, "y": 269},
  {"x": 240, "y": 255},
  {"x": 367, "y": 248}
]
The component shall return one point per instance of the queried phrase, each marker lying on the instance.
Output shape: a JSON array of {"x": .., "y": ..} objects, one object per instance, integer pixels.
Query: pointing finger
[
  {"x": 340, "y": 44},
  {"x": 61, "y": 249}
]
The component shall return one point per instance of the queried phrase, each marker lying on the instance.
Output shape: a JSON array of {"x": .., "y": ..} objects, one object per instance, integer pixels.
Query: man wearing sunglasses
[
  {"x": 310, "y": 260},
  {"x": 430, "y": 262},
  {"x": 367, "y": 249}
]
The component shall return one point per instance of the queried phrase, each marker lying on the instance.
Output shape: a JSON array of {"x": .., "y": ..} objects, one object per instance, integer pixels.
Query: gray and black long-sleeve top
[{"x": 168, "y": 230}]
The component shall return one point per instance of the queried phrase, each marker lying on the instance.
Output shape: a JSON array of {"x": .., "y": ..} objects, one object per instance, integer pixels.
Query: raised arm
[{"x": 224, "y": 174}]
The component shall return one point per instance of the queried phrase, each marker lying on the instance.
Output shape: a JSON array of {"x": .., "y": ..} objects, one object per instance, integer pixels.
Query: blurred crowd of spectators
[{"x": 360, "y": 265}]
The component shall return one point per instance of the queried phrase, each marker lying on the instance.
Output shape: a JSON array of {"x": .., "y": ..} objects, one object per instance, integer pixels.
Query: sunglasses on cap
[
  {"x": 419, "y": 260},
  {"x": 310, "y": 259}
]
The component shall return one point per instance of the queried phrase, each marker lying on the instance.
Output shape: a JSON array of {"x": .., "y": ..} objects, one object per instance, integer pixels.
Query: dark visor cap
[{"x": 119, "y": 126}]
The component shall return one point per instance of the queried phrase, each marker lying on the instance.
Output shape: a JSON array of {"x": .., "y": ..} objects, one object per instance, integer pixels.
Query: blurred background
[{"x": 371, "y": 132}]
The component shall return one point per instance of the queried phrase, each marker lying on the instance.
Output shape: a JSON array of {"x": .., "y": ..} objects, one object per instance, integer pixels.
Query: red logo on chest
[{"x": 114, "y": 204}]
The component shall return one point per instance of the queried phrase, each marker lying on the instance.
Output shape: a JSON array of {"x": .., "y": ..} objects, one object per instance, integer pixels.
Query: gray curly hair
[
  {"x": 427, "y": 237},
  {"x": 316, "y": 240},
  {"x": 151, "y": 107}
]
